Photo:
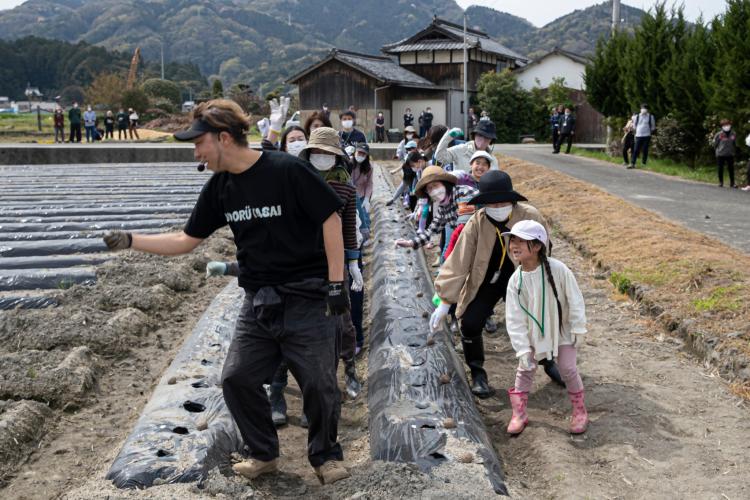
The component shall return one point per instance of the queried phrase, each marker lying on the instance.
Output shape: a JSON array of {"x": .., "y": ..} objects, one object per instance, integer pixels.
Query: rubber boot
[
  {"x": 490, "y": 326},
  {"x": 579, "y": 421},
  {"x": 278, "y": 405},
  {"x": 550, "y": 368},
  {"x": 520, "y": 419},
  {"x": 474, "y": 355},
  {"x": 353, "y": 387}
]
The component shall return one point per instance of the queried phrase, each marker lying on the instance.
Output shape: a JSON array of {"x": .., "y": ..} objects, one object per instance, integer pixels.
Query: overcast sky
[{"x": 541, "y": 12}]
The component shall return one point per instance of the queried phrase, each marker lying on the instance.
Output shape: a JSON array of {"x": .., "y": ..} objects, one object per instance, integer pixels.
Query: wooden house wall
[
  {"x": 450, "y": 74},
  {"x": 337, "y": 85}
]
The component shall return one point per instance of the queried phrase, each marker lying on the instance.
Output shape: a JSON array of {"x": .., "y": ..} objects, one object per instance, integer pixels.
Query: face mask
[
  {"x": 500, "y": 213},
  {"x": 437, "y": 194},
  {"x": 360, "y": 158},
  {"x": 410, "y": 136},
  {"x": 726, "y": 128},
  {"x": 294, "y": 148},
  {"x": 323, "y": 162},
  {"x": 644, "y": 111},
  {"x": 347, "y": 124}
]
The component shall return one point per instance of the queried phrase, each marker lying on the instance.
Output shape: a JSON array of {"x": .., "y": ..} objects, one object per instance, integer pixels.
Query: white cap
[
  {"x": 528, "y": 230},
  {"x": 481, "y": 154}
]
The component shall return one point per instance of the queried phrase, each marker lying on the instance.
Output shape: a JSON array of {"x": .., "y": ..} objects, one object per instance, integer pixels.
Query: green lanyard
[{"x": 544, "y": 289}]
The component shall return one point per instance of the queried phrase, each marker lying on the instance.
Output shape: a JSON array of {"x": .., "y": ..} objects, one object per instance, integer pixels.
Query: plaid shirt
[{"x": 447, "y": 215}]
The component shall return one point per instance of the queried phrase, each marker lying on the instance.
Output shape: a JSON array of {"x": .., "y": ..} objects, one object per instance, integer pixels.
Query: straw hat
[{"x": 432, "y": 174}]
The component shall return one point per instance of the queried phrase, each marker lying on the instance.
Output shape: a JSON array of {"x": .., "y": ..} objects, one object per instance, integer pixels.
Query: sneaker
[
  {"x": 253, "y": 468},
  {"x": 490, "y": 326},
  {"x": 746, "y": 188},
  {"x": 631, "y": 166},
  {"x": 331, "y": 471}
]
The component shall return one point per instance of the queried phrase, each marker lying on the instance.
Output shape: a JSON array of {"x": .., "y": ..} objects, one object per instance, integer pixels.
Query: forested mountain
[
  {"x": 262, "y": 42},
  {"x": 54, "y": 65}
]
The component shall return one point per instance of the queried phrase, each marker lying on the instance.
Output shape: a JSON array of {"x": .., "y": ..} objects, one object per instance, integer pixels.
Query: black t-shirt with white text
[{"x": 275, "y": 210}]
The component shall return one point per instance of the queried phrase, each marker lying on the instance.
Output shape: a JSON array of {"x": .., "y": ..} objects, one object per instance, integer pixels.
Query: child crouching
[{"x": 545, "y": 317}]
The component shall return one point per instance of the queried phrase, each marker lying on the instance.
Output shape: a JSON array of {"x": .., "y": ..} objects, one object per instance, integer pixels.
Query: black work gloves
[
  {"x": 338, "y": 299},
  {"x": 118, "y": 240}
]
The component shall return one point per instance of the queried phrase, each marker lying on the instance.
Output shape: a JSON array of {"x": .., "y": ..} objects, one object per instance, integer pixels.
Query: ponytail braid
[{"x": 550, "y": 278}]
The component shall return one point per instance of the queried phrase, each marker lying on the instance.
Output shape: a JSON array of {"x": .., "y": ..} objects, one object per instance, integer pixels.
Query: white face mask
[
  {"x": 644, "y": 111},
  {"x": 347, "y": 124},
  {"x": 360, "y": 158},
  {"x": 409, "y": 137},
  {"x": 500, "y": 213},
  {"x": 323, "y": 162},
  {"x": 294, "y": 148},
  {"x": 437, "y": 194},
  {"x": 726, "y": 128}
]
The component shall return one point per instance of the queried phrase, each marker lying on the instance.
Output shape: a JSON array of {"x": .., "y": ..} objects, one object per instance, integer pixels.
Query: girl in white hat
[{"x": 545, "y": 317}]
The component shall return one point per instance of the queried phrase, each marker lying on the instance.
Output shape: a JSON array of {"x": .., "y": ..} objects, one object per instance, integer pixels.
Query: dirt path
[{"x": 662, "y": 426}]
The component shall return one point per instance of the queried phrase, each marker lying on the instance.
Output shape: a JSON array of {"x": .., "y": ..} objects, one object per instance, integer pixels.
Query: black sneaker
[
  {"x": 353, "y": 387},
  {"x": 490, "y": 326}
]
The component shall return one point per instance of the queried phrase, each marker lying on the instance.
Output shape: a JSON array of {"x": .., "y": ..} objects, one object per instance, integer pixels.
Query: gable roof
[
  {"x": 445, "y": 35},
  {"x": 382, "y": 69},
  {"x": 557, "y": 51}
]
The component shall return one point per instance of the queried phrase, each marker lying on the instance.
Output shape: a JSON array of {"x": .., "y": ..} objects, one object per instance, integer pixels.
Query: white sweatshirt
[{"x": 523, "y": 331}]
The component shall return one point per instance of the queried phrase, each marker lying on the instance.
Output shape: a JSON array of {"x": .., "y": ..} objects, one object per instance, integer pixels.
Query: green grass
[
  {"x": 702, "y": 173},
  {"x": 722, "y": 298},
  {"x": 621, "y": 282}
]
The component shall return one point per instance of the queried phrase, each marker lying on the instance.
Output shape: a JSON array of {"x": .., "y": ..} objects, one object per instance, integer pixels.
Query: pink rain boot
[
  {"x": 580, "y": 419},
  {"x": 519, "y": 419}
]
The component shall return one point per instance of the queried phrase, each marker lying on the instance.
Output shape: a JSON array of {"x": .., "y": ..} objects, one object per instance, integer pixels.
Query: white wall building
[{"x": 555, "y": 64}]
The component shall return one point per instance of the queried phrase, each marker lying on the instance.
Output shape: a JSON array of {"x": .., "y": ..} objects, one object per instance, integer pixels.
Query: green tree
[
  {"x": 136, "y": 99},
  {"x": 730, "y": 92},
  {"x": 686, "y": 84},
  {"x": 604, "y": 77},
  {"x": 106, "y": 90},
  {"x": 648, "y": 54},
  {"x": 164, "y": 89},
  {"x": 510, "y": 107},
  {"x": 217, "y": 89}
]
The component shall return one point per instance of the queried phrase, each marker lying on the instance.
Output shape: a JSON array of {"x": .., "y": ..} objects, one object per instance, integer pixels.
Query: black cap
[
  {"x": 485, "y": 128},
  {"x": 197, "y": 129}
]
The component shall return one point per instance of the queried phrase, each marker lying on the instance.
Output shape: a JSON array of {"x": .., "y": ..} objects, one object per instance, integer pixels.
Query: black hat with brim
[
  {"x": 496, "y": 187},
  {"x": 485, "y": 128},
  {"x": 197, "y": 129}
]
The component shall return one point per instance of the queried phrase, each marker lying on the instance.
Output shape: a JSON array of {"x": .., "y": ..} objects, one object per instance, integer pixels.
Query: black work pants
[
  {"x": 641, "y": 146},
  {"x": 627, "y": 145},
  {"x": 564, "y": 137},
  {"x": 472, "y": 324},
  {"x": 721, "y": 161},
  {"x": 379, "y": 134},
  {"x": 75, "y": 132},
  {"x": 298, "y": 331},
  {"x": 555, "y": 137}
]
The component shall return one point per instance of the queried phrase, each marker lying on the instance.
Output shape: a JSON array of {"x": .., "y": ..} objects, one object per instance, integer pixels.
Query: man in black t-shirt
[{"x": 291, "y": 257}]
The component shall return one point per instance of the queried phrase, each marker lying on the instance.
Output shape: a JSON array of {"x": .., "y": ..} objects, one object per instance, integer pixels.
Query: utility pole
[
  {"x": 466, "y": 84},
  {"x": 615, "y": 15}
]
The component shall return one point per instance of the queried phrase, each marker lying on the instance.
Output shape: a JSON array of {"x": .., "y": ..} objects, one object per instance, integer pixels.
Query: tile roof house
[{"x": 423, "y": 70}]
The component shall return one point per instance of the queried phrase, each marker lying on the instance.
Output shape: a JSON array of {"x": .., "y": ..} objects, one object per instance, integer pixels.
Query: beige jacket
[{"x": 463, "y": 272}]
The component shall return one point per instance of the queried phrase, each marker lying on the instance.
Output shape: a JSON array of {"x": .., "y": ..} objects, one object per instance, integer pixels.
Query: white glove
[
  {"x": 438, "y": 315},
  {"x": 366, "y": 204},
  {"x": 215, "y": 268},
  {"x": 350, "y": 150},
  {"x": 357, "y": 282},
  {"x": 526, "y": 362},
  {"x": 279, "y": 108},
  {"x": 263, "y": 126},
  {"x": 405, "y": 243}
]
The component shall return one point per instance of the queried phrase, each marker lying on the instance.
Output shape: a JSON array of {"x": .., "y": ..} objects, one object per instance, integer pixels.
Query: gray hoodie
[{"x": 724, "y": 143}]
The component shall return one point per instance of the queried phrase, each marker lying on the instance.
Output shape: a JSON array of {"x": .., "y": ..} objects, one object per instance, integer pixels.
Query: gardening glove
[
  {"x": 263, "y": 126},
  {"x": 215, "y": 268},
  {"x": 441, "y": 311},
  {"x": 357, "y": 281},
  {"x": 279, "y": 108},
  {"x": 337, "y": 301},
  {"x": 526, "y": 362},
  {"x": 404, "y": 243},
  {"x": 455, "y": 132},
  {"x": 118, "y": 240}
]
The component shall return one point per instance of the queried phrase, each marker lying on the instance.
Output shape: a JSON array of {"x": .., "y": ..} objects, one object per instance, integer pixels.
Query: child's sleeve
[
  {"x": 515, "y": 319},
  {"x": 576, "y": 305}
]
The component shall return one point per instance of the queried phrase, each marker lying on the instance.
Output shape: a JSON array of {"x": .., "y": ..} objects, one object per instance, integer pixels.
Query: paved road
[{"x": 688, "y": 203}]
